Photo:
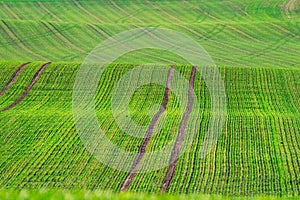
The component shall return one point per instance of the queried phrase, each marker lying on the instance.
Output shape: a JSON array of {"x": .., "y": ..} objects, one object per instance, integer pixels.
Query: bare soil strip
[
  {"x": 12, "y": 79},
  {"x": 180, "y": 137},
  {"x": 33, "y": 82},
  {"x": 142, "y": 149}
]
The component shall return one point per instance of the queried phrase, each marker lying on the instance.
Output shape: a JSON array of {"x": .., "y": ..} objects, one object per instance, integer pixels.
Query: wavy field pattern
[
  {"x": 255, "y": 154},
  {"x": 234, "y": 33},
  {"x": 255, "y": 46}
]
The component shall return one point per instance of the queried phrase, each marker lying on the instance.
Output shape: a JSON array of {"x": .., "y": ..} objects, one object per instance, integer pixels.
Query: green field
[{"x": 255, "y": 46}]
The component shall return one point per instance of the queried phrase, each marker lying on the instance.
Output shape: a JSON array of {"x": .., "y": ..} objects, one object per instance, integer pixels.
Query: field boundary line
[
  {"x": 13, "y": 77},
  {"x": 142, "y": 148},
  {"x": 33, "y": 82}
]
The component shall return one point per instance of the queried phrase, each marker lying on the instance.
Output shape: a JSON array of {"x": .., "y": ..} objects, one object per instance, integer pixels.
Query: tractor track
[
  {"x": 33, "y": 82},
  {"x": 180, "y": 137},
  {"x": 142, "y": 148},
  {"x": 12, "y": 79}
]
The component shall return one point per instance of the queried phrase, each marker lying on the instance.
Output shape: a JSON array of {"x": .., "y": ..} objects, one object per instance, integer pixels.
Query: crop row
[
  {"x": 256, "y": 153},
  {"x": 49, "y": 31}
]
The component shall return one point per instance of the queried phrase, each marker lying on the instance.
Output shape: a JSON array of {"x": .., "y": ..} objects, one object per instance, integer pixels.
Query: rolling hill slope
[
  {"x": 254, "y": 44},
  {"x": 257, "y": 152},
  {"x": 234, "y": 33}
]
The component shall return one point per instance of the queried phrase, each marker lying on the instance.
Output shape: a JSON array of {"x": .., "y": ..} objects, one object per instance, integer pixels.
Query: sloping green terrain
[
  {"x": 256, "y": 153},
  {"x": 255, "y": 45},
  {"x": 234, "y": 33}
]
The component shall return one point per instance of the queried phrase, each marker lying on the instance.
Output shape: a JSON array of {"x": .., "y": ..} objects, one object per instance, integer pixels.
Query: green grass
[
  {"x": 256, "y": 153},
  {"x": 91, "y": 195},
  {"x": 234, "y": 33},
  {"x": 254, "y": 44}
]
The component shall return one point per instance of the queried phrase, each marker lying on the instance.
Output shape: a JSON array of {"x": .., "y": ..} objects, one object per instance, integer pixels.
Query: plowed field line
[
  {"x": 33, "y": 82},
  {"x": 12, "y": 79},
  {"x": 180, "y": 137},
  {"x": 25, "y": 46},
  {"x": 142, "y": 149}
]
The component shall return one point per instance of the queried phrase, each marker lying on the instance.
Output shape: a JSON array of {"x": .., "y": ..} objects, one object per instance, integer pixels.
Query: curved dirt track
[
  {"x": 180, "y": 137},
  {"x": 13, "y": 77},
  {"x": 289, "y": 6},
  {"x": 142, "y": 149},
  {"x": 33, "y": 82}
]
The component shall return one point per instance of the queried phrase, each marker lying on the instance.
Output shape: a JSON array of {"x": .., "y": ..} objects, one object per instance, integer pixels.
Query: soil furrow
[
  {"x": 25, "y": 47},
  {"x": 55, "y": 35},
  {"x": 142, "y": 149},
  {"x": 11, "y": 39},
  {"x": 180, "y": 137},
  {"x": 80, "y": 7},
  {"x": 33, "y": 82},
  {"x": 61, "y": 37},
  {"x": 4, "y": 6},
  {"x": 12, "y": 79},
  {"x": 46, "y": 11},
  {"x": 14, "y": 34},
  {"x": 65, "y": 37}
]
